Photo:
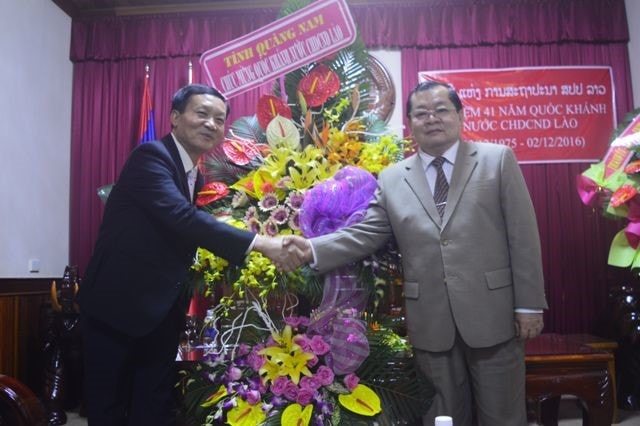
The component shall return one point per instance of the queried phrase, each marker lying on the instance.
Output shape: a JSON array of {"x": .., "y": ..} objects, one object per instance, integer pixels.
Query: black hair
[
  {"x": 430, "y": 84},
  {"x": 181, "y": 97}
]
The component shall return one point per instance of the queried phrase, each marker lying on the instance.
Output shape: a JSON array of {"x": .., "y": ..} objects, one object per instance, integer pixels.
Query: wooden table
[
  {"x": 556, "y": 365},
  {"x": 607, "y": 346}
]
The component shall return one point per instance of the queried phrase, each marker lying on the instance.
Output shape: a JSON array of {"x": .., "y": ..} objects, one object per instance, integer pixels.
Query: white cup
[{"x": 443, "y": 421}]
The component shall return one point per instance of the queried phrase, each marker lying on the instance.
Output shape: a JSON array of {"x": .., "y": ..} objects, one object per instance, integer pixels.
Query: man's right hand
[
  {"x": 297, "y": 245},
  {"x": 286, "y": 257}
]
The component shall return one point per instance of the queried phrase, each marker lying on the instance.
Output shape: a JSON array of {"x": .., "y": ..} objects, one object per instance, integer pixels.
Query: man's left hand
[{"x": 528, "y": 325}]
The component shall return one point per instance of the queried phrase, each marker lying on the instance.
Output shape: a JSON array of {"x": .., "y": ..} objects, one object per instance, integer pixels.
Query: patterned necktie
[
  {"x": 191, "y": 181},
  {"x": 441, "y": 187}
]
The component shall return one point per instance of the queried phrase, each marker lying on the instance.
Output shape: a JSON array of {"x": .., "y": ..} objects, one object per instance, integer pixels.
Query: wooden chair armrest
[{"x": 19, "y": 406}]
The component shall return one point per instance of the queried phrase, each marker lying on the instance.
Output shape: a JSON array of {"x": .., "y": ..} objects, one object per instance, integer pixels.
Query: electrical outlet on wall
[{"x": 34, "y": 265}]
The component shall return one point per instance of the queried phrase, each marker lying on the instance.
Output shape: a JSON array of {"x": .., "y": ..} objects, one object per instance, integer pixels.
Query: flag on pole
[{"x": 146, "y": 128}]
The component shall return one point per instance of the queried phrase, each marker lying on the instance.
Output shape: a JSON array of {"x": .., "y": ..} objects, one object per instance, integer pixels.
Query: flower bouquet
[
  {"x": 613, "y": 185},
  {"x": 305, "y": 163},
  {"x": 285, "y": 379}
]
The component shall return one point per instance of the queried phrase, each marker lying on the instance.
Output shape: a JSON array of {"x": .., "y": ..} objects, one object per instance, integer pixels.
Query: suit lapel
[
  {"x": 175, "y": 156},
  {"x": 462, "y": 169},
  {"x": 417, "y": 180}
]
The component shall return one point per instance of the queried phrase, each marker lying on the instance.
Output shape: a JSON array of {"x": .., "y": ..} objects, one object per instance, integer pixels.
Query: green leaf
[{"x": 405, "y": 392}]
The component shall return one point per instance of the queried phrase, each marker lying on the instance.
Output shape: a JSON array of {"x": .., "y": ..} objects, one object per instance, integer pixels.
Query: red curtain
[{"x": 110, "y": 54}]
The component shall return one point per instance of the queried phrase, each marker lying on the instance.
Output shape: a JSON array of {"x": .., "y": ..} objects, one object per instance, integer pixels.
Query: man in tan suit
[{"x": 473, "y": 283}]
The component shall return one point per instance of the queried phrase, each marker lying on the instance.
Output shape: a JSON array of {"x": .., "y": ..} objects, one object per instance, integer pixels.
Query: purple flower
[
  {"x": 319, "y": 346},
  {"x": 284, "y": 182},
  {"x": 294, "y": 200},
  {"x": 294, "y": 221},
  {"x": 325, "y": 375},
  {"x": 278, "y": 401},
  {"x": 251, "y": 213},
  {"x": 268, "y": 202},
  {"x": 229, "y": 404},
  {"x": 305, "y": 321},
  {"x": 280, "y": 215},
  {"x": 271, "y": 227},
  {"x": 303, "y": 341},
  {"x": 351, "y": 381},
  {"x": 313, "y": 361},
  {"x": 257, "y": 384},
  {"x": 234, "y": 374},
  {"x": 279, "y": 385},
  {"x": 291, "y": 391},
  {"x": 305, "y": 396},
  {"x": 309, "y": 382},
  {"x": 254, "y": 360},
  {"x": 254, "y": 225},
  {"x": 293, "y": 321},
  {"x": 253, "y": 397},
  {"x": 243, "y": 349}
]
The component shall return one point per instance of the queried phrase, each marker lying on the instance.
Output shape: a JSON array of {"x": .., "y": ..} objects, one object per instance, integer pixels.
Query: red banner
[
  {"x": 550, "y": 114},
  {"x": 309, "y": 34}
]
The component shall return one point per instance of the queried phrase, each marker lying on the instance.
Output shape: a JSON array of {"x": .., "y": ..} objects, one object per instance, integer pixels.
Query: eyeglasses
[{"x": 423, "y": 114}]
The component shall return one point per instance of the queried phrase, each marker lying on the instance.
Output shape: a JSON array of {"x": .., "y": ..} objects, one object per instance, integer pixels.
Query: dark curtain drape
[{"x": 109, "y": 56}]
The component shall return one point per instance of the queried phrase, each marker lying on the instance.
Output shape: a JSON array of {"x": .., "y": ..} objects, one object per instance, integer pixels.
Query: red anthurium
[
  {"x": 632, "y": 168},
  {"x": 240, "y": 151},
  {"x": 622, "y": 195},
  {"x": 211, "y": 192},
  {"x": 268, "y": 107},
  {"x": 319, "y": 85}
]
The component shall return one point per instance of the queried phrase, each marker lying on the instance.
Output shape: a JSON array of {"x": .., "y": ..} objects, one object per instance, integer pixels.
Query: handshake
[{"x": 287, "y": 253}]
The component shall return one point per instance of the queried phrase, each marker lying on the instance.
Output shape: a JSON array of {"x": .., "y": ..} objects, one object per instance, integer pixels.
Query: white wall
[
  {"x": 633, "y": 18},
  {"x": 35, "y": 82}
]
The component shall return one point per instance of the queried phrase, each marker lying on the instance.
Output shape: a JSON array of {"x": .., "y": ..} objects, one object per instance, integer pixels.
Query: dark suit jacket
[
  {"x": 466, "y": 272},
  {"x": 147, "y": 240}
]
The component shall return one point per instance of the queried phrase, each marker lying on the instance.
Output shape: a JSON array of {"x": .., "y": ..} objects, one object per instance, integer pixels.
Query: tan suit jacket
[{"x": 467, "y": 271}]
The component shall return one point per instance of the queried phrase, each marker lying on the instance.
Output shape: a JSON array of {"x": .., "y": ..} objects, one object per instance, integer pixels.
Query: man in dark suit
[
  {"x": 473, "y": 284},
  {"x": 130, "y": 300}
]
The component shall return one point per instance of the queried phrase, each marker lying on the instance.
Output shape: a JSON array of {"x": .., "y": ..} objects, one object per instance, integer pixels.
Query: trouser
[
  {"x": 491, "y": 379},
  {"x": 130, "y": 380}
]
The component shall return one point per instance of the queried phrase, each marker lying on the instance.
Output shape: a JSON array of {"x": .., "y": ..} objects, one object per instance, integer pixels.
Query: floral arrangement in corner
[
  {"x": 613, "y": 185},
  {"x": 305, "y": 164},
  {"x": 285, "y": 379}
]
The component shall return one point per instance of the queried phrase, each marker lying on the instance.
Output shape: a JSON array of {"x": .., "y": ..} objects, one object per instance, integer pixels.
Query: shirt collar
[
  {"x": 187, "y": 163},
  {"x": 449, "y": 155}
]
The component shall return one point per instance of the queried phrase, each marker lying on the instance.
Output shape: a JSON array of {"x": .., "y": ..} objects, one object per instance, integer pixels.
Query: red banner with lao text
[
  {"x": 309, "y": 34},
  {"x": 546, "y": 115}
]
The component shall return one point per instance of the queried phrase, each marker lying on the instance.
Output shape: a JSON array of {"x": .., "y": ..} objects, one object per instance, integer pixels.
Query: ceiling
[{"x": 77, "y": 8}]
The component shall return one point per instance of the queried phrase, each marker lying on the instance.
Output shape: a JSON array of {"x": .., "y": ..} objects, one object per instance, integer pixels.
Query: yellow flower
[
  {"x": 332, "y": 115},
  {"x": 295, "y": 415},
  {"x": 362, "y": 401},
  {"x": 310, "y": 167},
  {"x": 245, "y": 414},
  {"x": 258, "y": 272},
  {"x": 286, "y": 359},
  {"x": 376, "y": 156},
  {"x": 211, "y": 266},
  {"x": 215, "y": 397},
  {"x": 253, "y": 183}
]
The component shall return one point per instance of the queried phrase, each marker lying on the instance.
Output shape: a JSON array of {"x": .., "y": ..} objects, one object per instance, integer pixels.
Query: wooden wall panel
[{"x": 21, "y": 303}]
